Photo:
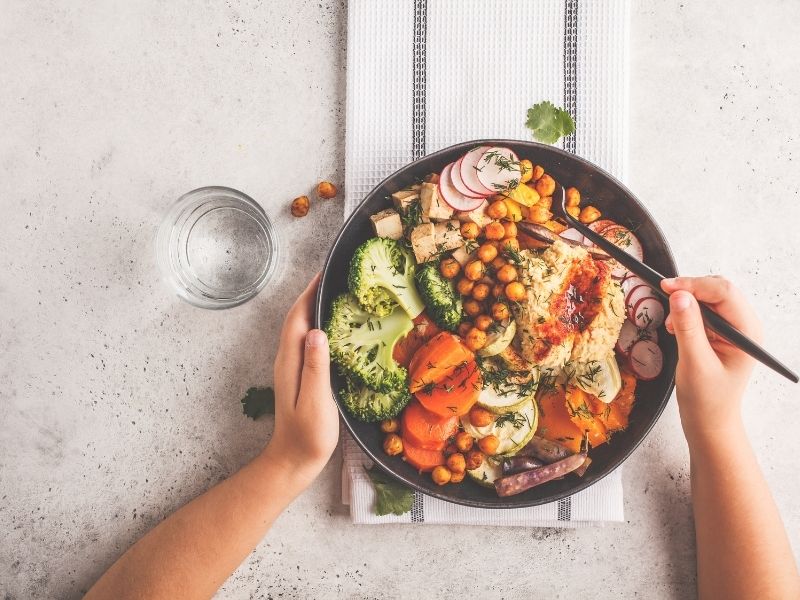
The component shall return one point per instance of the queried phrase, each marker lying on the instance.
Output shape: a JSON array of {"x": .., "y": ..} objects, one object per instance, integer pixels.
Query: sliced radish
[
  {"x": 601, "y": 225},
  {"x": 636, "y": 294},
  {"x": 630, "y": 334},
  {"x": 646, "y": 360},
  {"x": 574, "y": 235},
  {"x": 648, "y": 313},
  {"x": 630, "y": 282},
  {"x": 468, "y": 169},
  {"x": 498, "y": 168},
  {"x": 458, "y": 183},
  {"x": 623, "y": 238},
  {"x": 452, "y": 196}
]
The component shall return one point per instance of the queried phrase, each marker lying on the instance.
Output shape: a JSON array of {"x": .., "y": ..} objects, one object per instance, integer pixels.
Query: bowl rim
[{"x": 319, "y": 311}]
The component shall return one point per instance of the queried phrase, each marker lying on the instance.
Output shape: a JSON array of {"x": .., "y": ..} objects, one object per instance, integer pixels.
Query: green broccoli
[
  {"x": 368, "y": 405},
  {"x": 382, "y": 276},
  {"x": 444, "y": 304},
  {"x": 362, "y": 344}
]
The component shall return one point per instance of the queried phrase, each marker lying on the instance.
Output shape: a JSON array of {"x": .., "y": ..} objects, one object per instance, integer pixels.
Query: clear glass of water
[{"x": 216, "y": 247}]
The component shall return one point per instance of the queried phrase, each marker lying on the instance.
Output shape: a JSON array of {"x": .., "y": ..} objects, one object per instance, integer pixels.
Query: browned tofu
[{"x": 387, "y": 224}]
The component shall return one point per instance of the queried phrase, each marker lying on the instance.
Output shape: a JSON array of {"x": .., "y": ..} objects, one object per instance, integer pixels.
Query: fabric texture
[{"x": 425, "y": 74}]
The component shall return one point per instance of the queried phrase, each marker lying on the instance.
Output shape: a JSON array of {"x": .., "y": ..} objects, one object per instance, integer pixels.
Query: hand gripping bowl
[{"x": 616, "y": 202}]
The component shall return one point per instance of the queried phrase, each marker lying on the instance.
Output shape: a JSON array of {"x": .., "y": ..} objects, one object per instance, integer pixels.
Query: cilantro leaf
[
  {"x": 391, "y": 498},
  {"x": 258, "y": 401},
  {"x": 549, "y": 123}
]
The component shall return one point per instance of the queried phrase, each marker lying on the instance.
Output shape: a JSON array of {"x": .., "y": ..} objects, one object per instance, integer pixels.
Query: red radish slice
[
  {"x": 452, "y": 196},
  {"x": 648, "y": 313},
  {"x": 636, "y": 294},
  {"x": 574, "y": 235},
  {"x": 625, "y": 240},
  {"x": 630, "y": 334},
  {"x": 601, "y": 225},
  {"x": 498, "y": 169},
  {"x": 468, "y": 169},
  {"x": 646, "y": 360},
  {"x": 630, "y": 282},
  {"x": 458, "y": 183}
]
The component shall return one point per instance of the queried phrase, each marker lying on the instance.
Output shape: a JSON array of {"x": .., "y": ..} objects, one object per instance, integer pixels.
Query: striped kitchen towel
[{"x": 425, "y": 74}]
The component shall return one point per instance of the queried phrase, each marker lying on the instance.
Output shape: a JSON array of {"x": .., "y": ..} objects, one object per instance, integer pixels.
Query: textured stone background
[{"x": 120, "y": 403}]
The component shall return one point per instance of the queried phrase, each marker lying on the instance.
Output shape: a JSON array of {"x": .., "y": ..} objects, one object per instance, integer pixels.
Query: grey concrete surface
[{"x": 120, "y": 403}]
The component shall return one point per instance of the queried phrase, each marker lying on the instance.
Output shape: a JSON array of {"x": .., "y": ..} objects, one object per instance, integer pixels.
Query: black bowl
[{"x": 616, "y": 202}]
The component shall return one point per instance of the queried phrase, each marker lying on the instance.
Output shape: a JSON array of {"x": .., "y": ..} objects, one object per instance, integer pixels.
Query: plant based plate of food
[{"x": 481, "y": 363}]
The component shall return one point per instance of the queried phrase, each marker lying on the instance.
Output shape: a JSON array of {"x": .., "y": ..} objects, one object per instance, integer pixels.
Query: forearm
[
  {"x": 742, "y": 547},
  {"x": 192, "y": 552}
]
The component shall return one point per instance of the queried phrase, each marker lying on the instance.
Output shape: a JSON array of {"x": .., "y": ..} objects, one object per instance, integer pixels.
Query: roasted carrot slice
[
  {"x": 426, "y": 430},
  {"x": 437, "y": 359},
  {"x": 554, "y": 420},
  {"x": 423, "y": 330},
  {"x": 455, "y": 394},
  {"x": 580, "y": 409},
  {"x": 421, "y": 459},
  {"x": 615, "y": 414}
]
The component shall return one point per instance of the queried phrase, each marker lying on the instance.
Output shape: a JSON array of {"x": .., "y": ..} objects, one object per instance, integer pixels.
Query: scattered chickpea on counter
[
  {"x": 300, "y": 206},
  {"x": 326, "y": 190}
]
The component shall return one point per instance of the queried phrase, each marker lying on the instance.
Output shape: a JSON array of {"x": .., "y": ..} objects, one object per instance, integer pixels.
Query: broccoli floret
[
  {"x": 362, "y": 344},
  {"x": 368, "y": 405},
  {"x": 382, "y": 277},
  {"x": 444, "y": 304}
]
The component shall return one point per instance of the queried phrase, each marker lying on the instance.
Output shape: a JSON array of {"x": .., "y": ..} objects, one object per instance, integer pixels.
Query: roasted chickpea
[
  {"x": 476, "y": 339},
  {"x": 392, "y": 444},
  {"x": 510, "y": 243},
  {"x": 515, "y": 291},
  {"x": 497, "y": 209},
  {"x": 572, "y": 197},
  {"x": 499, "y": 263},
  {"x": 474, "y": 459},
  {"x": 480, "y": 417},
  {"x": 449, "y": 268},
  {"x": 456, "y": 463},
  {"x": 474, "y": 270},
  {"x": 538, "y": 171},
  {"x": 507, "y": 274},
  {"x": 450, "y": 449},
  {"x": 574, "y": 211},
  {"x": 464, "y": 441},
  {"x": 546, "y": 202},
  {"x": 494, "y": 231},
  {"x": 500, "y": 310},
  {"x": 483, "y": 322},
  {"x": 525, "y": 170},
  {"x": 300, "y": 206},
  {"x": 489, "y": 444},
  {"x": 546, "y": 185},
  {"x": 487, "y": 252},
  {"x": 463, "y": 329},
  {"x": 472, "y": 307},
  {"x": 326, "y": 190},
  {"x": 539, "y": 214},
  {"x": 589, "y": 214},
  {"x": 441, "y": 475},
  {"x": 481, "y": 291},
  {"x": 510, "y": 229},
  {"x": 464, "y": 286},
  {"x": 389, "y": 425},
  {"x": 498, "y": 290},
  {"x": 470, "y": 230},
  {"x": 457, "y": 477}
]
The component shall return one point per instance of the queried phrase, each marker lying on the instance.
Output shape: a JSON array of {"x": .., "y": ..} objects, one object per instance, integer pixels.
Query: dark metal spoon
[{"x": 653, "y": 278}]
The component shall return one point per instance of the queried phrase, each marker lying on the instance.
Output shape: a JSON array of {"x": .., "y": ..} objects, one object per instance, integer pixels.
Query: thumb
[
  {"x": 315, "y": 381},
  {"x": 687, "y": 324}
]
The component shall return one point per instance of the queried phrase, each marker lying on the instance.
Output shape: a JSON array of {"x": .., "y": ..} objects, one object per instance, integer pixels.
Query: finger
[
  {"x": 289, "y": 360},
  {"x": 687, "y": 323},
  {"x": 722, "y": 296},
  {"x": 315, "y": 382}
]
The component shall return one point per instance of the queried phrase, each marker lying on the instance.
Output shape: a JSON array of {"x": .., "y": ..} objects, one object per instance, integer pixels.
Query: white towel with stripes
[{"x": 425, "y": 74}]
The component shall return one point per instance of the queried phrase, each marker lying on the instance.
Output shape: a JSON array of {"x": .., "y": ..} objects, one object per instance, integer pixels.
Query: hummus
[{"x": 573, "y": 311}]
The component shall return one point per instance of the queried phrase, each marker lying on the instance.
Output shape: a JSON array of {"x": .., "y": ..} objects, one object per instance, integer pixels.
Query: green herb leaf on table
[
  {"x": 390, "y": 498},
  {"x": 549, "y": 123},
  {"x": 258, "y": 401}
]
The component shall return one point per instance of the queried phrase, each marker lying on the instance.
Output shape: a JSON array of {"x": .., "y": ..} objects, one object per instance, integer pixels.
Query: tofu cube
[
  {"x": 447, "y": 235},
  {"x": 433, "y": 205},
  {"x": 461, "y": 255},
  {"x": 477, "y": 215},
  {"x": 423, "y": 242},
  {"x": 387, "y": 224},
  {"x": 404, "y": 198}
]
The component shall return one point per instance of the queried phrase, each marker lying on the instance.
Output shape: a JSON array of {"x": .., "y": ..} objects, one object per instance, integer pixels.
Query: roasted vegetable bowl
[{"x": 477, "y": 363}]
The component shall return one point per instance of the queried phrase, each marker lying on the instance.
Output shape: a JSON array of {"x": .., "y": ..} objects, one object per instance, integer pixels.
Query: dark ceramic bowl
[{"x": 616, "y": 202}]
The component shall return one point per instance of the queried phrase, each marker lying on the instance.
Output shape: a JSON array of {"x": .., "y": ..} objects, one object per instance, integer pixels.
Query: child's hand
[
  {"x": 306, "y": 419},
  {"x": 712, "y": 373}
]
